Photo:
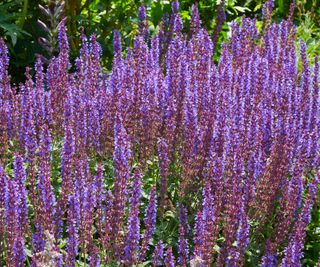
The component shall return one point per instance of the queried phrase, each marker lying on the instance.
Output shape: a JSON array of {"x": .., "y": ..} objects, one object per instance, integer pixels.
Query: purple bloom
[
  {"x": 15, "y": 237},
  {"x": 133, "y": 234},
  {"x": 40, "y": 100},
  {"x": 100, "y": 198},
  {"x": 209, "y": 224},
  {"x": 267, "y": 10},
  {"x": 4, "y": 61},
  {"x": 293, "y": 252},
  {"x": 121, "y": 157},
  {"x": 169, "y": 260},
  {"x": 94, "y": 259},
  {"x": 73, "y": 227},
  {"x": 117, "y": 47},
  {"x": 157, "y": 257},
  {"x": 195, "y": 19},
  {"x": 164, "y": 172},
  {"x": 183, "y": 248},
  {"x": 175, "y": 6},
  {"x": 221, "y": 18},
  {"x": 244, "y": 132},
  {"x": 149, "y": 223},
  {"x": 143, "y": 23},
  {"x": 67, "y": 165},
  {"x": 46, "y": 199},
  {"x": 20, "y": 179},
  {"x": 270, "y": 258},
  {"x": 3, "y": 197},
  {"x": 199, "y": 233}
]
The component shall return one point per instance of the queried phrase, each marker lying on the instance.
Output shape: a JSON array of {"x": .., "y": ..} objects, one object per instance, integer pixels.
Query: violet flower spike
[
  {"x": 149, "y": 222},
  {"x": 133, "y": 234}
]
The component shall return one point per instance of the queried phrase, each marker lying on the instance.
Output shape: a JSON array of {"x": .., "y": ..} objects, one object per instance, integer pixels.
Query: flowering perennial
[{"x": 236, "y": 145}]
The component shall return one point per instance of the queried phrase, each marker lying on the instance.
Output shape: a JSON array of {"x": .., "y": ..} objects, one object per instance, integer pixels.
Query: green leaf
[
  {"x": 241, "y": 9},
  {"x": 146, "y": 263},
  {"x": 257, "y": 7},
  {"x": 28, "y": 252},
  {"x": 170, "y": 214}
]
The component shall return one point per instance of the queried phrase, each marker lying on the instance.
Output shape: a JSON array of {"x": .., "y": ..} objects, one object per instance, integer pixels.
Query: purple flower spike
[
  {"x": 183, "y": 248},
  {"x": 3, "y": 198},
  {"x": 40, "y": 100},
  {"x": 94, "y": 259},
  {"x": 293, "y": 252},
  {"x": 62, "y": 36},
  {"x": 269, "y": 259},
  {"x": 164, "y": 172},
  {"x": 169, "y": 260},
  {"x": 20, "y": 179},
  {"x": 157, "y": 257},
  {"x": 117, "y": 44},
  {"x": 15, "y": 237},
  {"x": 149, "y": 223},
  {"x": 121, "y": 157},
  {"x": 195, "y": 19},
  {"x": 143, "y": 23},
  {"x": 133, "y": 235},
  {"x": 175, "y": 6},
  {"x": 73, "y": 227}
]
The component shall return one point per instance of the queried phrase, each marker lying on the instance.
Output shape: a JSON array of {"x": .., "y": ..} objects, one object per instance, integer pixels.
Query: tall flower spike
[
  {"x": 221, "y": 18},
  {"x": 94, "y": 259},
  {"x": 20, "y": 179},
  {"x": 30, "y": 141},
  {"x": 40, "y": 101},
  {"x": 164, "y": 171},
  {"x": 67, "y": 168},
  {"x": 46, "y": 197},
  {"x": 63, "y": 40},
  {"x": 157, "y": 257},
  {"x": 121, "y": 158},
  {"x": 73, "y": 223},
  {"x": 242, "y": 236},
  {"x": 291, "y": 10},
  {"x": 100, "y": 198},
  {"x": 267, "y": 11},
  {"x": 195, "y": 19},
  {"x": 5, "y": 92},
  {"x": 67, "y": 154},
  {"x": 143, "y": 23},
  {"x": 15, "y": 238},
  {"x": 270, "y": 258},
  {"x": 198, "y": 236},
  {"x": 209, "y": 220},
  {"x": 133, "y": 234},
  {"x": 59, "y": 77},
  {"x": 169, "y": 260},
  {"x": 149, "y": 223},
  {"x": 4, "y": 64},
  {"x": 117, "y": 47},
  {"x": 87, "y": 204},
  {"x": 175, "y": 6},
  {"x": 183, "y": 248},
  {"x": 293, "y": 252},
  {"x": 3, "y": 198}
]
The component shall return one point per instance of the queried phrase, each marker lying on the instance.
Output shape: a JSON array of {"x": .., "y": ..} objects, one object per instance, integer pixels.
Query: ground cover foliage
[{"x": 169, "y": 159}]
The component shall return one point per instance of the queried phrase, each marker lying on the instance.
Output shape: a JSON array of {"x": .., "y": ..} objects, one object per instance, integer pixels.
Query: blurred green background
[{"x": 29, "y": 27}]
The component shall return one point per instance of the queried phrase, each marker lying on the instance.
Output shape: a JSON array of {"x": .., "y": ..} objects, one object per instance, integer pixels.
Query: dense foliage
[{"x": 169, "y": 159}]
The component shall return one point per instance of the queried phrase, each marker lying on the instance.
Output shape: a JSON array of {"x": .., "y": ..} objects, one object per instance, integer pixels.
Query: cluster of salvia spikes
[{"x": 245, "y": 133}]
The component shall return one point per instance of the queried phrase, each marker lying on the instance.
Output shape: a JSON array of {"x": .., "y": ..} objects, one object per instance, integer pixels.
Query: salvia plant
[{"x": 167, "y": 160}]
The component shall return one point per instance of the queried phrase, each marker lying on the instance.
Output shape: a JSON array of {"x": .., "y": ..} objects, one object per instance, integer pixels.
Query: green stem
[{"x": 24, "y": 12}]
